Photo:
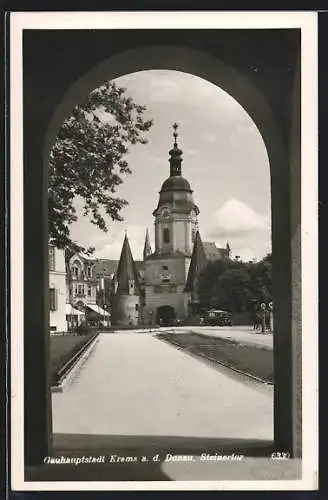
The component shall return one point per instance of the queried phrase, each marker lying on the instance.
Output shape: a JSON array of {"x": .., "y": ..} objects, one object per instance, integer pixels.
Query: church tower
[
  {"x": 176, "y": 214},
  {"x": 166, "y": 269}
]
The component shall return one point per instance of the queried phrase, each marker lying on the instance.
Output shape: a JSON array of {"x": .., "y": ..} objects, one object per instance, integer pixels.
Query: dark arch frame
[{"x": 284, "y": 158}]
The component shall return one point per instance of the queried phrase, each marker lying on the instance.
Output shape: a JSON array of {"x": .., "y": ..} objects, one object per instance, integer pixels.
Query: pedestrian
[{"x": 263, "y": 317}]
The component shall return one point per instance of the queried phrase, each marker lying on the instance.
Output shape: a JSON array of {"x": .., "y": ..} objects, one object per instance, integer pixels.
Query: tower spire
[
  {"x": 147, "y": 247},
  {"x": 175, "y": 155},
  {"x": 175, "y": 134},
  {"x": 127, "y": 271}
]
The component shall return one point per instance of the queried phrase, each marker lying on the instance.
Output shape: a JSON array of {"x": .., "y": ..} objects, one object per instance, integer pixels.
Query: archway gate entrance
[
  {"x": 165, "y": 316},
  {"x": 271, "y": 96}
]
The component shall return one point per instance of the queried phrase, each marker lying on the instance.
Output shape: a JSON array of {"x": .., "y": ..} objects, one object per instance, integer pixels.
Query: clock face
[{"x": 165, "y": 213}]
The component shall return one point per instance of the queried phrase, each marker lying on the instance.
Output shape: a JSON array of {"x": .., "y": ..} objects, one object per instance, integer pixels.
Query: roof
[
  {"x": 147, "y": 247},
  {"x": 69, "y": 309},
  {"x": 168, "y": 255},
  {"x": 108, "y": 267},
  {"x": 98, "y": 309},
  {"x": 176, "y": 183},
  {"x": 197, "y": 263},
  {"x": 202, "y": 253},
  {"x": 127, "y": 270},
  {"x": 105, "y": 267},
  {"x": 212, "y": 252}
]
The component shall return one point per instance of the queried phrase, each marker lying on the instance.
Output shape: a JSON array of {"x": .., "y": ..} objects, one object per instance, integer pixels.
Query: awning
[
  {"x": 72, "y": 311},
  {"x": 98, "y": 309}
]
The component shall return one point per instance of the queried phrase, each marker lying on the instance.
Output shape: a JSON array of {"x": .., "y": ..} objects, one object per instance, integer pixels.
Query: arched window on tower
[{"x": 166, "y": 235}]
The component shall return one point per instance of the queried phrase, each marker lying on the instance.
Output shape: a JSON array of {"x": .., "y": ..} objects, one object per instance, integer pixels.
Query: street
[
  {"x": 135, "y": 384},
  {"x": 243, "y": 334}
]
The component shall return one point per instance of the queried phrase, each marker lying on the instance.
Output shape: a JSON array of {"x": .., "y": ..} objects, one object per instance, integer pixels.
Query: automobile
[{"x": 218, "y": 317}]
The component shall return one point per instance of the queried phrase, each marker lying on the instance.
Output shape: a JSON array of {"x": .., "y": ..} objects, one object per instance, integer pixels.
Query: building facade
[
  {"x": 163, "y": 289},
  {"x": 81, "y": 282},
  {"x": 57, "y": 290},
  {"x": 85, "y": 291}
]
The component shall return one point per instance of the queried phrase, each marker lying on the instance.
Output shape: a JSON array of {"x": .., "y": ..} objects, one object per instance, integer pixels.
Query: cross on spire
[{"x": 175, "y": 133}]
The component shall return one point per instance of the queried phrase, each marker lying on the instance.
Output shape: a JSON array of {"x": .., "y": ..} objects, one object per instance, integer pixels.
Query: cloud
[
  {"x": 248, "y": 232},
  {"x": 236, "y": 218},
  {"x": 168, "y": 86},
  {"x": 109, "y": 247}
]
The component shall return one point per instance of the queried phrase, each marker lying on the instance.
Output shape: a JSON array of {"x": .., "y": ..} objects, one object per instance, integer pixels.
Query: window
[
  {"x": 52, "y": 263},
  {"x": 80, "y": 289},
  {"x": 52, "y": 299},
  {"x": 165, "y": 268},
  {"x": 89, "y": 291},
  {"x": 89, "y": 272},
  {"x": 76, "y": 267},
  {"x": 166, "y": 235},
  {"x": 137, "y": 307}
]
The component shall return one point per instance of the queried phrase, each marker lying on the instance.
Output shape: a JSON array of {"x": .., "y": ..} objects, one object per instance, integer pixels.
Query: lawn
[
  {"x": 256, "y": 361},
  {"x": 62, "y": 348}
]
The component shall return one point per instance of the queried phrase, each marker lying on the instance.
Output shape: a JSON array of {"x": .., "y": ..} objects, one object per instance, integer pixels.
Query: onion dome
[
  {"x": 176, "y": 191},
  {"x": 175, "y": 182}
]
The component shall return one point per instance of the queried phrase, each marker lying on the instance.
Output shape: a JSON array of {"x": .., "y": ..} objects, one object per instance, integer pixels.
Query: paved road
[
  {"x": 135, "y": 384},
  {"x": 242, "y": 334}
]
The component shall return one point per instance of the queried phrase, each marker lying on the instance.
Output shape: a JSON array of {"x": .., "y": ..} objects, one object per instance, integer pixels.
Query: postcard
[{"x": 164, "y": 325}]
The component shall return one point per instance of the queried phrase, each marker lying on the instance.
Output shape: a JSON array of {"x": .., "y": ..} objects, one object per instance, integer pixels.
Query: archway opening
[
  {"x": 165, "y": 316},
  {"x": 214, "y": 152}
]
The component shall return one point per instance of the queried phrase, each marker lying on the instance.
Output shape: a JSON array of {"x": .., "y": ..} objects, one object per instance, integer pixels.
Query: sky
[{"x": 224, "y": 159}]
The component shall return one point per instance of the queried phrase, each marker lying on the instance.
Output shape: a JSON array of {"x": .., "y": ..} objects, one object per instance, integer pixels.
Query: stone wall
[
  {"x": 177, "y": 270},
  {"x": 162, "y": 296},
  {"x": 127, "y": 310}
]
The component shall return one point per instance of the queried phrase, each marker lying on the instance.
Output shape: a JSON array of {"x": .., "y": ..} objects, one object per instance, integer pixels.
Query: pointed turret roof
[
  {"x": 147, "y": 247},
  {"x": 203, "y": 252},
  {"x": 126, "y": 270},
  {"x": 197, "y": 263}
]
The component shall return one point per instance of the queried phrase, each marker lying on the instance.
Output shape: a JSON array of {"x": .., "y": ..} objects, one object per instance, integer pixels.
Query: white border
[{"x": 307, "y": 21}]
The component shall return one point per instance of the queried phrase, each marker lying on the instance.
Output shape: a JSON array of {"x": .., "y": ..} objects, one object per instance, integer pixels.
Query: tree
[
  {"x": 236, "y": 285},
  {"x": 88, "y": 160},
  {"x": 208, "y": 276},
  {"x": 232, "y": 290},
  {"x": 261, "y": 279}
]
